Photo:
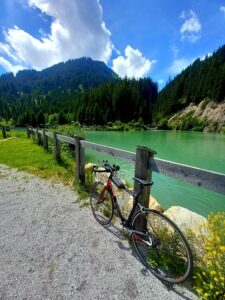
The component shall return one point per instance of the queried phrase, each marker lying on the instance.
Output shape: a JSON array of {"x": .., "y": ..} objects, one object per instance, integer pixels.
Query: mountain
[
  {"x": 31, "y": 94},
  {"x": 68, "y": 75},
  {"x": 204, "y": 80}
]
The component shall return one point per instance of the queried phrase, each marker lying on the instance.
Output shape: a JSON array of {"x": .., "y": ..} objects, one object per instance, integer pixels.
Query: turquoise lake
[{"x": 203, "y": 150}]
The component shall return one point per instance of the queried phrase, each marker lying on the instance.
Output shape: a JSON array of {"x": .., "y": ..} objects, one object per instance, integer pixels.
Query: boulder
[
  {"x": 187, "y": 220},
  {"x": 128, "y": 203},
  {"x": 89, "y": 167},
  {"x": 154, "y": 204}
]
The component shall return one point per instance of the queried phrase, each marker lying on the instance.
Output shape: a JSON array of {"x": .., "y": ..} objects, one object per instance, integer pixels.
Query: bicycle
[{"x": 159, "y": 242}]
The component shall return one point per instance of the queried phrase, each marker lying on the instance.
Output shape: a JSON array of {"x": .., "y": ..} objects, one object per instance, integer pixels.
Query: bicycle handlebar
[{"x": 107, "y": 168}]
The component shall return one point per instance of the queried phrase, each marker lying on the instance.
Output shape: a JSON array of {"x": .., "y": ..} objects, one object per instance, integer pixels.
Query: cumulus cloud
[
  {"x": 179, "y": 64},
  {"x": 134, "y": 64},
  {"x": 222, "y": 8},
  {"x": 191, "y": 28},
  {"x": 77, "y": 29}
]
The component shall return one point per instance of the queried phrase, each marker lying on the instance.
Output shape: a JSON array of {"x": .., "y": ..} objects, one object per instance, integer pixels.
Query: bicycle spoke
[
  {"x": 101, "y": 203},
  {"x": 165, "y": 251}
]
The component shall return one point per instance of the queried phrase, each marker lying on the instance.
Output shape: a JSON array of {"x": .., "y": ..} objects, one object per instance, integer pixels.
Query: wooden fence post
[
  {"x": 45, "y": 140},
  {"x": 80, "y": 160},
  {"x": 36, "y": 132},
  {"x": 39, "y": 142},
  {"x": 143, "y": 171},
  {"x": 56, "y": 147},
  {"x": 33, "y": 134},
  {"x": 4, "y": 135},
  {"x": 28, "y": 131}
]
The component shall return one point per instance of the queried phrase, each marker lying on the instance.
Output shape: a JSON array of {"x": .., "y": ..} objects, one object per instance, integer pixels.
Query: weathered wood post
[
  {"x": 80, "y": 160},
  {"x": 33, "y": 134},
  {"x": 4, "y": 135},
  {"x": 143, "y": 171},
  {"x": 38, "y": 137},
  {"x": 36, "y": 133},
  {"x": 45, "y": 140},
  {"x": 56, "y": 147},
  {"x": 28, "y": 131}
]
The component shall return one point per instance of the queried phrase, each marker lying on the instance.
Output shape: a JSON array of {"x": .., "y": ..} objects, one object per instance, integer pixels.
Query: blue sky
[{"x": 155, "y": 38}]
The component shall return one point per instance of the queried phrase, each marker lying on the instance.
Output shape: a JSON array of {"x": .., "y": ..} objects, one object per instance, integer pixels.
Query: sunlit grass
[{"x": 23, "y": 154}]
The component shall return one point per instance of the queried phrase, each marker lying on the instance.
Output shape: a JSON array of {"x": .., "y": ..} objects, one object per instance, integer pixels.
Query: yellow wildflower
[{"x": 222, "y": 248}]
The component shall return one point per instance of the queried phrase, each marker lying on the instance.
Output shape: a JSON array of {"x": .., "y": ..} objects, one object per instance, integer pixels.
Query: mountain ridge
[
  {"x": 69, "y": 74},
  {"x": 200, "y": 81}
]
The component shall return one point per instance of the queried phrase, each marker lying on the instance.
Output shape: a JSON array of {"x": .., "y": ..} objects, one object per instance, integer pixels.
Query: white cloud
[
  {"x": 179, "y": 64},
  {"x": 161, "y": 81},
  {"x": 203, "y": 57},
  {"x": 9, "y": 67},
  {"x": 191, "y": 28},
  {"x": 222, "y": 8},
  {"x": 134, "y": 64},
  {"x": 77, "y": 29},
  {"x": 175, "y": 50}
]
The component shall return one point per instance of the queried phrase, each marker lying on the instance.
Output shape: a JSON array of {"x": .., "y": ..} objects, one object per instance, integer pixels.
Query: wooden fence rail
[{"x": 144, "y": 160}]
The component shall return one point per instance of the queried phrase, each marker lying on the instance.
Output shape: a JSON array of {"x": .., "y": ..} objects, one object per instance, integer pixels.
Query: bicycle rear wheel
[
  {"x": 101, "y": 203},
  {"x": 161, "y": 246}
]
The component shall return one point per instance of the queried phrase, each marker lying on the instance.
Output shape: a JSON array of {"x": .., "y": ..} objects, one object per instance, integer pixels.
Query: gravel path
[{"x": 50, "y": 248}]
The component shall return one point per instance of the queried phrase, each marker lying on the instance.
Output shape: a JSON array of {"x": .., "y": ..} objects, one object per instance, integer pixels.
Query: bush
[
  {"x": 203, "y": 104},
  {"x": 68, "y": 130},
  {"x": 163, "y": 123},
  {"x": 209, "y": 279}
]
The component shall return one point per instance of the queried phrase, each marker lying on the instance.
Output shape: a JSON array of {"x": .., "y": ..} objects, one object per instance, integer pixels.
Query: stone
[
  {"x": 154, "y": 204},
  {"x": 187, "y": 219}
]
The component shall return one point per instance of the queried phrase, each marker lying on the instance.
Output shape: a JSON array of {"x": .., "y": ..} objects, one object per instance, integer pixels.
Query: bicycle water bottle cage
[{"x": 117, "y": 181}]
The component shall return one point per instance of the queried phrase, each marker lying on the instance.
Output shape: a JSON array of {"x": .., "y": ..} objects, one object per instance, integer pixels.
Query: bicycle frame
[{"x": 125, "y": 222}]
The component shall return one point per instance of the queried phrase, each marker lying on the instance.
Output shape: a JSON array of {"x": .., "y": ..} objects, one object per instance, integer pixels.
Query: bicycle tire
[
  {"x": 101, "y": 203},
  {"x": 162, "y": 247}
]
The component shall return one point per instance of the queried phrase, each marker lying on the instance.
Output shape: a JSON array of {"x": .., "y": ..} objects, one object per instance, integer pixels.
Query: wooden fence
[
  {"x": 144, "y": 160},
  {"x": 4, "y": 135}
]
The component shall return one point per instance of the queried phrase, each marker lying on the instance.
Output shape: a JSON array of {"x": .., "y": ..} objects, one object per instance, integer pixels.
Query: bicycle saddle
[{"x": 143, "y": 182}]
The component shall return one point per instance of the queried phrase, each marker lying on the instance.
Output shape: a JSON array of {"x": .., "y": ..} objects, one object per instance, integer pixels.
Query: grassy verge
[{"x": 23, "y": 154}]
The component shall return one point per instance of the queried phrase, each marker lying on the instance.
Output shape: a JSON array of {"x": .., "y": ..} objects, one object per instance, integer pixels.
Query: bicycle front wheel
[
  {"x": 101, "y": 203},
  {"x": 161, "y": 246}
]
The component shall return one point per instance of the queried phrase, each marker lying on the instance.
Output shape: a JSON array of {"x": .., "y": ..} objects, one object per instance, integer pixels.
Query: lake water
[{"x": 203, "y": 150}]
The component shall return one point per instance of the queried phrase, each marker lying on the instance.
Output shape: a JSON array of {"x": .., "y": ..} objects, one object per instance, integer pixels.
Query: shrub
[
  {"x": 68, "y": 130},
  {"x": 203, "y": 104},
  {"x": 110, "y": 124},
  {"x": 163, "y": 123},
  {"x": 209, "y": 279}
]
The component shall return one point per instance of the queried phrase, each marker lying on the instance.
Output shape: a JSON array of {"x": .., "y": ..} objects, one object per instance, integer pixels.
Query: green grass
[
  {"x": 23, "y": 154},
  {"x": 14, "y": 133}
]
